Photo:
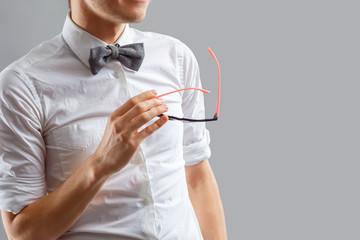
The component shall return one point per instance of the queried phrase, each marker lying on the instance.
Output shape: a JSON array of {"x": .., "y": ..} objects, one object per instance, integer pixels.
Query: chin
[
  {"x": 138, "y": 19},
  {"x": 132, "y": 17}
]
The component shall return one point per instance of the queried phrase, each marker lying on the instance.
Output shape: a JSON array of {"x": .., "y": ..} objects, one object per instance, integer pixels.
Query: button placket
[
  {"x": 139, "y": 158},
  {"x": 124, "y": 89},
  {"x": 148, "y": 199}
]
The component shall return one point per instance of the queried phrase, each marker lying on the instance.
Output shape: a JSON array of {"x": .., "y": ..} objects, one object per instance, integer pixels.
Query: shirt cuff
[
  {"x": 198, "y": 151},
  {"x": 15, "y": 194}
]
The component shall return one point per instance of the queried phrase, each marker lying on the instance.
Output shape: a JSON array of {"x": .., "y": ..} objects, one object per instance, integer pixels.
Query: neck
[{"x": 96, "y": 25}]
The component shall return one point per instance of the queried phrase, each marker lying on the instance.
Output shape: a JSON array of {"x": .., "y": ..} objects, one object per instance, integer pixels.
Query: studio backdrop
[{"x": 285, "y": 150}]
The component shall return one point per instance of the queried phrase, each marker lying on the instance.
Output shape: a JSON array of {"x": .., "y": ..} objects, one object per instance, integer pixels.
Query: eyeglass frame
[{"x": 216, "y": 115}]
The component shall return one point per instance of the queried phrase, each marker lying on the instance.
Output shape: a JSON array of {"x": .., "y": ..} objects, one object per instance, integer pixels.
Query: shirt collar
[{"x": 81, "y": 41}]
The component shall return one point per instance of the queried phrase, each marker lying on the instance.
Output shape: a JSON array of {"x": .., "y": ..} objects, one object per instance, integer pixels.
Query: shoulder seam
[
  {"x": 25, "y": 79},
  {"x": 17, "y": 64}
]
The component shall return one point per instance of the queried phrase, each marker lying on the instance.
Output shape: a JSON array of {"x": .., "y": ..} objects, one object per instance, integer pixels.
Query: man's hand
[{"x": 121, "y": 137}]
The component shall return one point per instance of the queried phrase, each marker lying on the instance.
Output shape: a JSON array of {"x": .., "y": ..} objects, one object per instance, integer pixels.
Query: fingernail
[
  {"x": 159, "y": 100},
  {"x": 154, "y": 92},
  {"x": 165, "y": 107}
]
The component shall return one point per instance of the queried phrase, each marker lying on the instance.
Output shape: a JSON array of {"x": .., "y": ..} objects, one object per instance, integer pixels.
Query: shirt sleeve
[
  {"x": 196, "y": 137},
  {"x": 22, "y": 148}
]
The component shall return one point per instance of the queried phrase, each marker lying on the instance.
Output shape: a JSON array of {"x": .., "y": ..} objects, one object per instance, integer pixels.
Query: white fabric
[{"x": 53, "y": 113}]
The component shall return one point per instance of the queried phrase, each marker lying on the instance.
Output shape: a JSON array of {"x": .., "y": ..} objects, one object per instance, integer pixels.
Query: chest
[{"x": 76, "y": 111}]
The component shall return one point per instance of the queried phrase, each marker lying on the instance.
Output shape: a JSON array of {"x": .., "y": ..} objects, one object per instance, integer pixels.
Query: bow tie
[{"x": 131, "y": 56}]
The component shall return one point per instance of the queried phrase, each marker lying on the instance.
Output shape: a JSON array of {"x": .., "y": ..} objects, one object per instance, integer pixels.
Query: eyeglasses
[{"x": 216, "y": 115}]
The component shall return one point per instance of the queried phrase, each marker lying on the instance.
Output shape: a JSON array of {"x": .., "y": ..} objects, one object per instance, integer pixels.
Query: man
[{"x": 83, "y": 152}]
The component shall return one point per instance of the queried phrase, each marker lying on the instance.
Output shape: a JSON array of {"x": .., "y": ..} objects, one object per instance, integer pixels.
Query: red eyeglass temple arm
[
  {"x": 219, "y": 81},
  {"x": 183, "y": 89}
]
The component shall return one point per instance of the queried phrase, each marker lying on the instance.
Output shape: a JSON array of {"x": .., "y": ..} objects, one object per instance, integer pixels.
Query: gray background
[{"x": 286, "y": 148}]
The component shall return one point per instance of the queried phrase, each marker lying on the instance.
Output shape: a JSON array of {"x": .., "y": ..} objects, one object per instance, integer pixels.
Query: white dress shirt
[{"x": 53, "y": 113}]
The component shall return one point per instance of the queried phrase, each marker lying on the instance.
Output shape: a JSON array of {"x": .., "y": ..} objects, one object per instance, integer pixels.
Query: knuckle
[
  {"x": 133, "y": 101},
  {"x": 112, "y": 117},
  {"x": 161, "y": 109},
  {"x": 158, "y": 124},
  {"x": 143, "y": 117},
  {"x": 148, "y": 131},
  {"x": 115, "y": 128},
  {"x": 152, "y": 128},
  {"x": 157, "y": 102},
  {"x": 140, "y": 107},
  {"x": 116, "y": 125}
]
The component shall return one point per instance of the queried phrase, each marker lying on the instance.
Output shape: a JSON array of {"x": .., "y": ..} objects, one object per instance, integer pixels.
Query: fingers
[
  {"x": 145, "y": 117},
  {"x": 152, "y": 128},
  {"x": 141, "y": 107},
  {"x": 132, "y": 102},
  {"x": 136, "y": 112}
]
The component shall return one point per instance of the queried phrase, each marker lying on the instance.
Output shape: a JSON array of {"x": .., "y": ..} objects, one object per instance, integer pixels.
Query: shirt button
[
  {"x": 146, "y": 201},
  {"x": 116, "y": 75},
  {"x": 138, "y": 159}
]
